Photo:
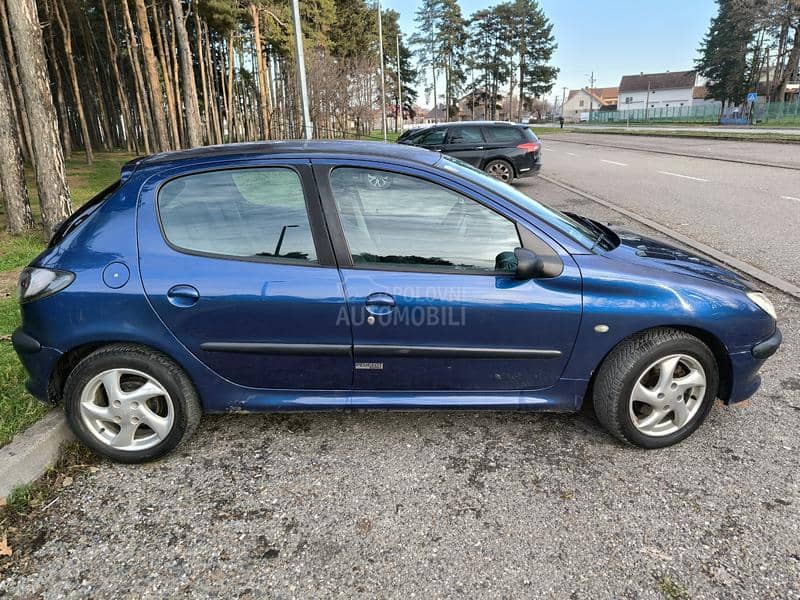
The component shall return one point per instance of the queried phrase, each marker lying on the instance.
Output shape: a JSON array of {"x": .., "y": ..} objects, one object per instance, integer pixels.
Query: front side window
[
  {"x": 430, "y": 138},
  {"x": 413, "y": 222},
  {"x": 251, "y": 213}
]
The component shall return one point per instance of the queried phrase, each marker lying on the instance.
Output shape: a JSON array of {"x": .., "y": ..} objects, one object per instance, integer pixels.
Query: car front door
[
  {"x": 431, "y": 140},
  {"x": 466, "y": 142},
  {"x": 237, "y": 263},
  {"x": 428, "y": 271}
]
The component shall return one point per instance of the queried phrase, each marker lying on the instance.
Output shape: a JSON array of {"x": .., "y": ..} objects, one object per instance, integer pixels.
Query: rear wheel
[
  {"x": 130, "y": 404},
  {"x": 500, "y": 169},
  {"x": 656, "y": 388}
]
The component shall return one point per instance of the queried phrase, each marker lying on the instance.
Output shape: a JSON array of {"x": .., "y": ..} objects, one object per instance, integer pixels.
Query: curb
[
  {"x": 748, "y": 269},
  {"x": 33, "y": 451}
]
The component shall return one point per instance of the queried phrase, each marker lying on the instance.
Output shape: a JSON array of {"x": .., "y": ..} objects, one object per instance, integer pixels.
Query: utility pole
[
  {"x": 563, "y": 98},
  {"x": 591, "y": 96},
  {"x": 399, "y": 87},
  {"x": 308, "y": 127},
  {"x": 647, "y": 102},
  {"x": 383, "y": 78}
]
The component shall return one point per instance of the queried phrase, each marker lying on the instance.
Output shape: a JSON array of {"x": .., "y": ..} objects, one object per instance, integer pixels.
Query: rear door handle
[
  {"x": 380, "y": 303},
  {"x": 183, "y": 296}
]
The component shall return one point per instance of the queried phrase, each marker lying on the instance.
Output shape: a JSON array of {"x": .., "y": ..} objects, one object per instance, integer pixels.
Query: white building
[
  {"x": 657, "y": 90},
  {"x": 580, "y": 101}
]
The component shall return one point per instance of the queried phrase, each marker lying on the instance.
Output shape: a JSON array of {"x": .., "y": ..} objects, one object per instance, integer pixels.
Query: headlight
[
  {"x": 760, "y": 300},
  {"x": 35, "y": 282}
]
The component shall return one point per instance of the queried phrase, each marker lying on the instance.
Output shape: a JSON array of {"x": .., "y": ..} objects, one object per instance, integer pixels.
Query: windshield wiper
[{"x": 601, "y": 234}]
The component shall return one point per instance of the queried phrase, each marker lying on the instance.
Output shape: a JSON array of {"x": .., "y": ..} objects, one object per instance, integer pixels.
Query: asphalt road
[
  {"x": 449, "y": 504},
  {"x": 749, "y": 212}
]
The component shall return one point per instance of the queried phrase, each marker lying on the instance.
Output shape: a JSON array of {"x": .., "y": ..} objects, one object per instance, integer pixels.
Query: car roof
[
  {"x": 483, "y": 123},
  {"x": 297, "y": 148}
]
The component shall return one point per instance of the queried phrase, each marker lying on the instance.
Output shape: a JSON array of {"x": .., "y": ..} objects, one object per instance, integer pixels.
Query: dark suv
[{"x": 504, "y": 150}]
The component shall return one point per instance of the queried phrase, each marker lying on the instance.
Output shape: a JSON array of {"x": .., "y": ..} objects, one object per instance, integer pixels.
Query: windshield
[{"x": 580, "y": 232}]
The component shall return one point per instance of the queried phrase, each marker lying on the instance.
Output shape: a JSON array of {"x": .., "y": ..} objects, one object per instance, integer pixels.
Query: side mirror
[{"x": 529, "y": 264}]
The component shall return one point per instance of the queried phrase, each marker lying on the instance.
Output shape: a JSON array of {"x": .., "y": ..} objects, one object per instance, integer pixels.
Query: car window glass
[
  {"x": 503, "y": 134},
  {"x": 431, "y": 138},
  {"x": 409, "y": 222},
  {"x": 243, "y": 213},
  {"x": 465, "y": 135}
]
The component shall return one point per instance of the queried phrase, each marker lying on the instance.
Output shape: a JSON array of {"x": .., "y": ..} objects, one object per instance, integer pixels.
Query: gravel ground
[{"x": 443, "y": 504}]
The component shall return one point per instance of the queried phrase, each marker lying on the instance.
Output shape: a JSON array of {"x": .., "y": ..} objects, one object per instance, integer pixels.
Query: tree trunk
[
  {"x": 50, "y": 177},
  {"x": 163, "y": 61},
  {"x": 791, "y": 71},
  {"x": 66, "y": 32},
  {"x": 263, "y": 88},
  {"x": 17, "y": 98},
  {"x": 231, "y": 114},
  {"x": 12, "y": 177},
  {"x": 213, "y": 95},
  {"x": 122, "y": 97},
  {"x": 193, "y": 127},
  {"x": 104, "y": 122},
  {"x": 176, "y": 78},
  {"x": 141, "y": 94},
  {"x": 63, "y": 115},
  {"x": 161, "y": 138},
  {"x": 202, "y": 63}
]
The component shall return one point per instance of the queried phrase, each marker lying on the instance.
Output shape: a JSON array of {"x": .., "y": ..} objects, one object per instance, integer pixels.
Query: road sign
[{"x": 752, "y": 97}]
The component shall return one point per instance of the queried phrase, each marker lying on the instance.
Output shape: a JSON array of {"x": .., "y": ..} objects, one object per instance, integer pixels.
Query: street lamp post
[
  {"x": 383, "y": 78},
  {"x": 308, "y": 127}
]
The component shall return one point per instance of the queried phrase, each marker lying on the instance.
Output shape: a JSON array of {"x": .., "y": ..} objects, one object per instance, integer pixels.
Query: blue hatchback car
[{"x": 280, "y": 277}]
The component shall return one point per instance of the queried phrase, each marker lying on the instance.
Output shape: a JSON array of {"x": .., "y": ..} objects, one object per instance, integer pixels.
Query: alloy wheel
[
  {"x": 667, "y": 395},
  {"x": 127, "y": 409},
  {"x": 500, "y": 170}
]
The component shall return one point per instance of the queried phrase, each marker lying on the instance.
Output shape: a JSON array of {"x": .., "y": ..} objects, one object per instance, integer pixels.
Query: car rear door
[
  {"x": 237, "y": 263},
  {"x": 466, "y": 142},
  {"x": 429, "y": 276}
]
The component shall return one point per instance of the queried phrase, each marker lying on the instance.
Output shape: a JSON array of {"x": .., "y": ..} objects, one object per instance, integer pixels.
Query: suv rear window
[{"x": 501, "y": 135}]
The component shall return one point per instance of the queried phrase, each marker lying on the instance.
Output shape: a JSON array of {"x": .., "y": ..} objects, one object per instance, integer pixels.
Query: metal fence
[
  {"x": 666, "y": 114},
  {"x": 779, "y": 113},
  {"x": 773, "y": 113}
]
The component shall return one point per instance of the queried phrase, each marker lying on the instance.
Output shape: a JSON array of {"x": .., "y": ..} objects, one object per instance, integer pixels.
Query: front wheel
[
  {"x": 130, "y": 404},
  {"x": 656, "y": 388}
]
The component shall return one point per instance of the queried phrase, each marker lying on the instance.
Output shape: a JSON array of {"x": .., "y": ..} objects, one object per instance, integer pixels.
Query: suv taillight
[{"x": 529, "y": 146}]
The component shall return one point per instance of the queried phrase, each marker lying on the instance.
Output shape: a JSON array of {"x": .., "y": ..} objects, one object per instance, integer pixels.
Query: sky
[{"x": 611, "y": 38}]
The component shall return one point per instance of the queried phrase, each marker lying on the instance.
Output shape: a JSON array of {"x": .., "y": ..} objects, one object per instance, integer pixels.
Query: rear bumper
[
  {"x": 745, "y": 366},
  {"x": 527, "y": 168},
  {"x": 39, "y": 362}
]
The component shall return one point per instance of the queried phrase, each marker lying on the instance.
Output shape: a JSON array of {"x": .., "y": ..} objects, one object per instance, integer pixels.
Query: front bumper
[
  {"x": 39, "y": 362},
  {"x": 745, "y": 365}
]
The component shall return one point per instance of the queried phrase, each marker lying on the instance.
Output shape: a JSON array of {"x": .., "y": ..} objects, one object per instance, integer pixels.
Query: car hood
[{"x": 652, "y": 253}]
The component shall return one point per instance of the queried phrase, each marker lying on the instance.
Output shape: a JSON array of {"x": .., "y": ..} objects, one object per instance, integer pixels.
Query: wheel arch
[
  {"x": 70, "y": 359},
  {"x": 716, "y": 346}
]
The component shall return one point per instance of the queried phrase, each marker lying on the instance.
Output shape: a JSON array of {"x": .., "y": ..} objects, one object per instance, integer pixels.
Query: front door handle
[
  {"x": 183, "y": 296},
  {"x": 380, "y": 303}
]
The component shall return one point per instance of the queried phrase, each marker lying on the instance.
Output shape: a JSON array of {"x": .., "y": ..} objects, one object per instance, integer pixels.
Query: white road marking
[
  {"x": 790, "y": 198},
  {"x": 572, "y": 154},
  {"x": 613, "y": 162},
  {"x": 683, "y": 176},
  {"x": 548, "y": 149}
]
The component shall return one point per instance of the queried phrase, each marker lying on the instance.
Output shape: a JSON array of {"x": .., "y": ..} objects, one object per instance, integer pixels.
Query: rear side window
[
  {"x": 250, "y": 213},
  {"x": 465, "y": 135},
  {"x": 501, "y": 135},
  {"x": 83, "y": 213}
]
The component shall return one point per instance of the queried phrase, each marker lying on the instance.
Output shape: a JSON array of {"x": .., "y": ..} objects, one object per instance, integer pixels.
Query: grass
[
  {"x": 18, "y": 409},
  {"x": 671, "y": 590}
]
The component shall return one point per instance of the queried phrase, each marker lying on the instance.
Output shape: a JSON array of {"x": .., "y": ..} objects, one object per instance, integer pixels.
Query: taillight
[
  {"x": 37, "y": 282},
  {"x": 529, "y": 146}
]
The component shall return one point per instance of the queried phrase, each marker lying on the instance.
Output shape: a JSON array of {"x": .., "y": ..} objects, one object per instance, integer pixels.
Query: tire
[
  {"x": 500, "y": 169},
  {"x": 130, "y": 404},
  {"x": 660, "y": 420}
]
